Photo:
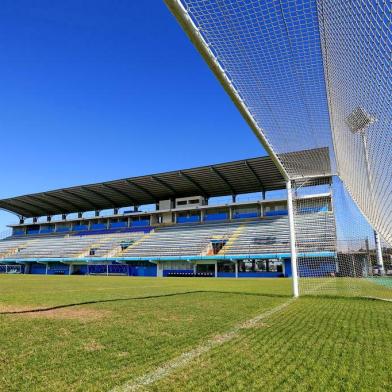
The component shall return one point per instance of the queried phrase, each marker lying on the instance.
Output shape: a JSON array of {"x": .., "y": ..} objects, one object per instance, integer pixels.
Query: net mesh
[
  {"x": 275, "y": 66},
  {"x": 346, "y": 263},
  {"x": 316, "y": 75},
  {"x": 280, "y": 56},
  {"x": 357, "y": 45}
]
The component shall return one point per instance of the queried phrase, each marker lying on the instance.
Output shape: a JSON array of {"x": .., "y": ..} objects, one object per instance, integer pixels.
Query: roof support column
[
  {"x": 159, "y": 269},
  {"x": 293, "y": 247}
]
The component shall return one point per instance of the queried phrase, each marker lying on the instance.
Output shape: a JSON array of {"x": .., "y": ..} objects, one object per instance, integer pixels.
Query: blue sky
[{"x": 98, "y": 90}]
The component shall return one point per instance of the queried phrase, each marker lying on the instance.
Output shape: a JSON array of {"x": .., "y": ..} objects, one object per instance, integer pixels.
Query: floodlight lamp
[{"x": 359, "y": 120}]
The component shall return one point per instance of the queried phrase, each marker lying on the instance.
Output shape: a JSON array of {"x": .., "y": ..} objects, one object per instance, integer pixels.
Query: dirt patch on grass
[
  {"x": 93, "y": 346},
  {"x": 13, "y": 308},
  {"x": 81, "y": 314},
  {"x": 257, "y": 324}
]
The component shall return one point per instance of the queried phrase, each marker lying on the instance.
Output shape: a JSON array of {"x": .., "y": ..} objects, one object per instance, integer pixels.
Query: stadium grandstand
[{"x": 190, "y": 222}]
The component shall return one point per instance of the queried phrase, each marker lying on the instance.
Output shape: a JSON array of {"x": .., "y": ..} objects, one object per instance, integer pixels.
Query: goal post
[
  {"x": 10, "y": 269},
  {"x": 293, "y": 244}
]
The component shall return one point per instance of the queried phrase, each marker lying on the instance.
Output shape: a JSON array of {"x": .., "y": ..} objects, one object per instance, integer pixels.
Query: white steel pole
[
  {"x": 380, "y": 261},
  {"x": 293, "y": 248}
]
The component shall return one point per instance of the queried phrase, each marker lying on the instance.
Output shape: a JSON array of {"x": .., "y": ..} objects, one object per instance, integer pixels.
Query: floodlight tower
[{"x": 358, "y": 122}]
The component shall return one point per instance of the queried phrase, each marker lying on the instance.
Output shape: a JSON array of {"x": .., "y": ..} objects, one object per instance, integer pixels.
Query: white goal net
[
  {"x": 345, "y": 260},
  {"x": 356, "y": 39},
  {"x": 313, "y": 75}
]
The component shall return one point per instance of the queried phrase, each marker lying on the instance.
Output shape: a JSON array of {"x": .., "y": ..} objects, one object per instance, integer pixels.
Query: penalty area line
[{"x": 185, "y": 358}]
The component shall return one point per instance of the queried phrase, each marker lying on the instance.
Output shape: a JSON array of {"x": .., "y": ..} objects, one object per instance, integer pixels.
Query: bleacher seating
[
  {"x": 177, "y": 241},
  {"x": 258, "y": 236},
  {"x": 316, "y": 233},
  {"x": 8, "y": 246},
  {"x": 59, "y": 246}
]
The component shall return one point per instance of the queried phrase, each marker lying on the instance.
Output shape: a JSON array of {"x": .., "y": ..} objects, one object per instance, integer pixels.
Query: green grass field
[{"x": 188, "y": 334}]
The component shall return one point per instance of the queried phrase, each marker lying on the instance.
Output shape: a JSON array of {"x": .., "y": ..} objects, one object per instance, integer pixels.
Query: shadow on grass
[{"x": 100, "y": 301}]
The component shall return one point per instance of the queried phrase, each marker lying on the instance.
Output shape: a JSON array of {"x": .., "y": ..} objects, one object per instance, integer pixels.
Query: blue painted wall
[
  {"x": 98, "y": 226},
  {"x": 118, "y": 224},
  {"x": 80, "y": 227},
  {"x": 245, "y": 215},
  {"x": 314, "y": 268},
  {"x": 188, "y": 219},
  {"x": 218, "y": 216},
  {"x": 37, "y": 268},
  {"x": 58, "y": 268},
  {"x": 142, "y": 270},
  {"x": 33, "y": 231},
  {"x": 276, "y": 213},
  {"x": 140, "y": 223},
  {"x": 287, "y": 268},
  {"x": 63, "y": 229}
]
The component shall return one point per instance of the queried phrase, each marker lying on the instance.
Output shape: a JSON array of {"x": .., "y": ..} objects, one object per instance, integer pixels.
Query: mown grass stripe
[{"x": 184, "y": 359}]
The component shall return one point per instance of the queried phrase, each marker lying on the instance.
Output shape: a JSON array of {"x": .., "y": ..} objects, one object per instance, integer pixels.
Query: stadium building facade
[{"x": 185, "y": 232}]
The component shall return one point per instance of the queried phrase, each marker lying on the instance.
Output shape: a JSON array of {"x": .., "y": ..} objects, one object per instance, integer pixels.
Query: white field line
[
  {"x": 378, "y": 298},
  {"x": 181, "y": 361}
]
